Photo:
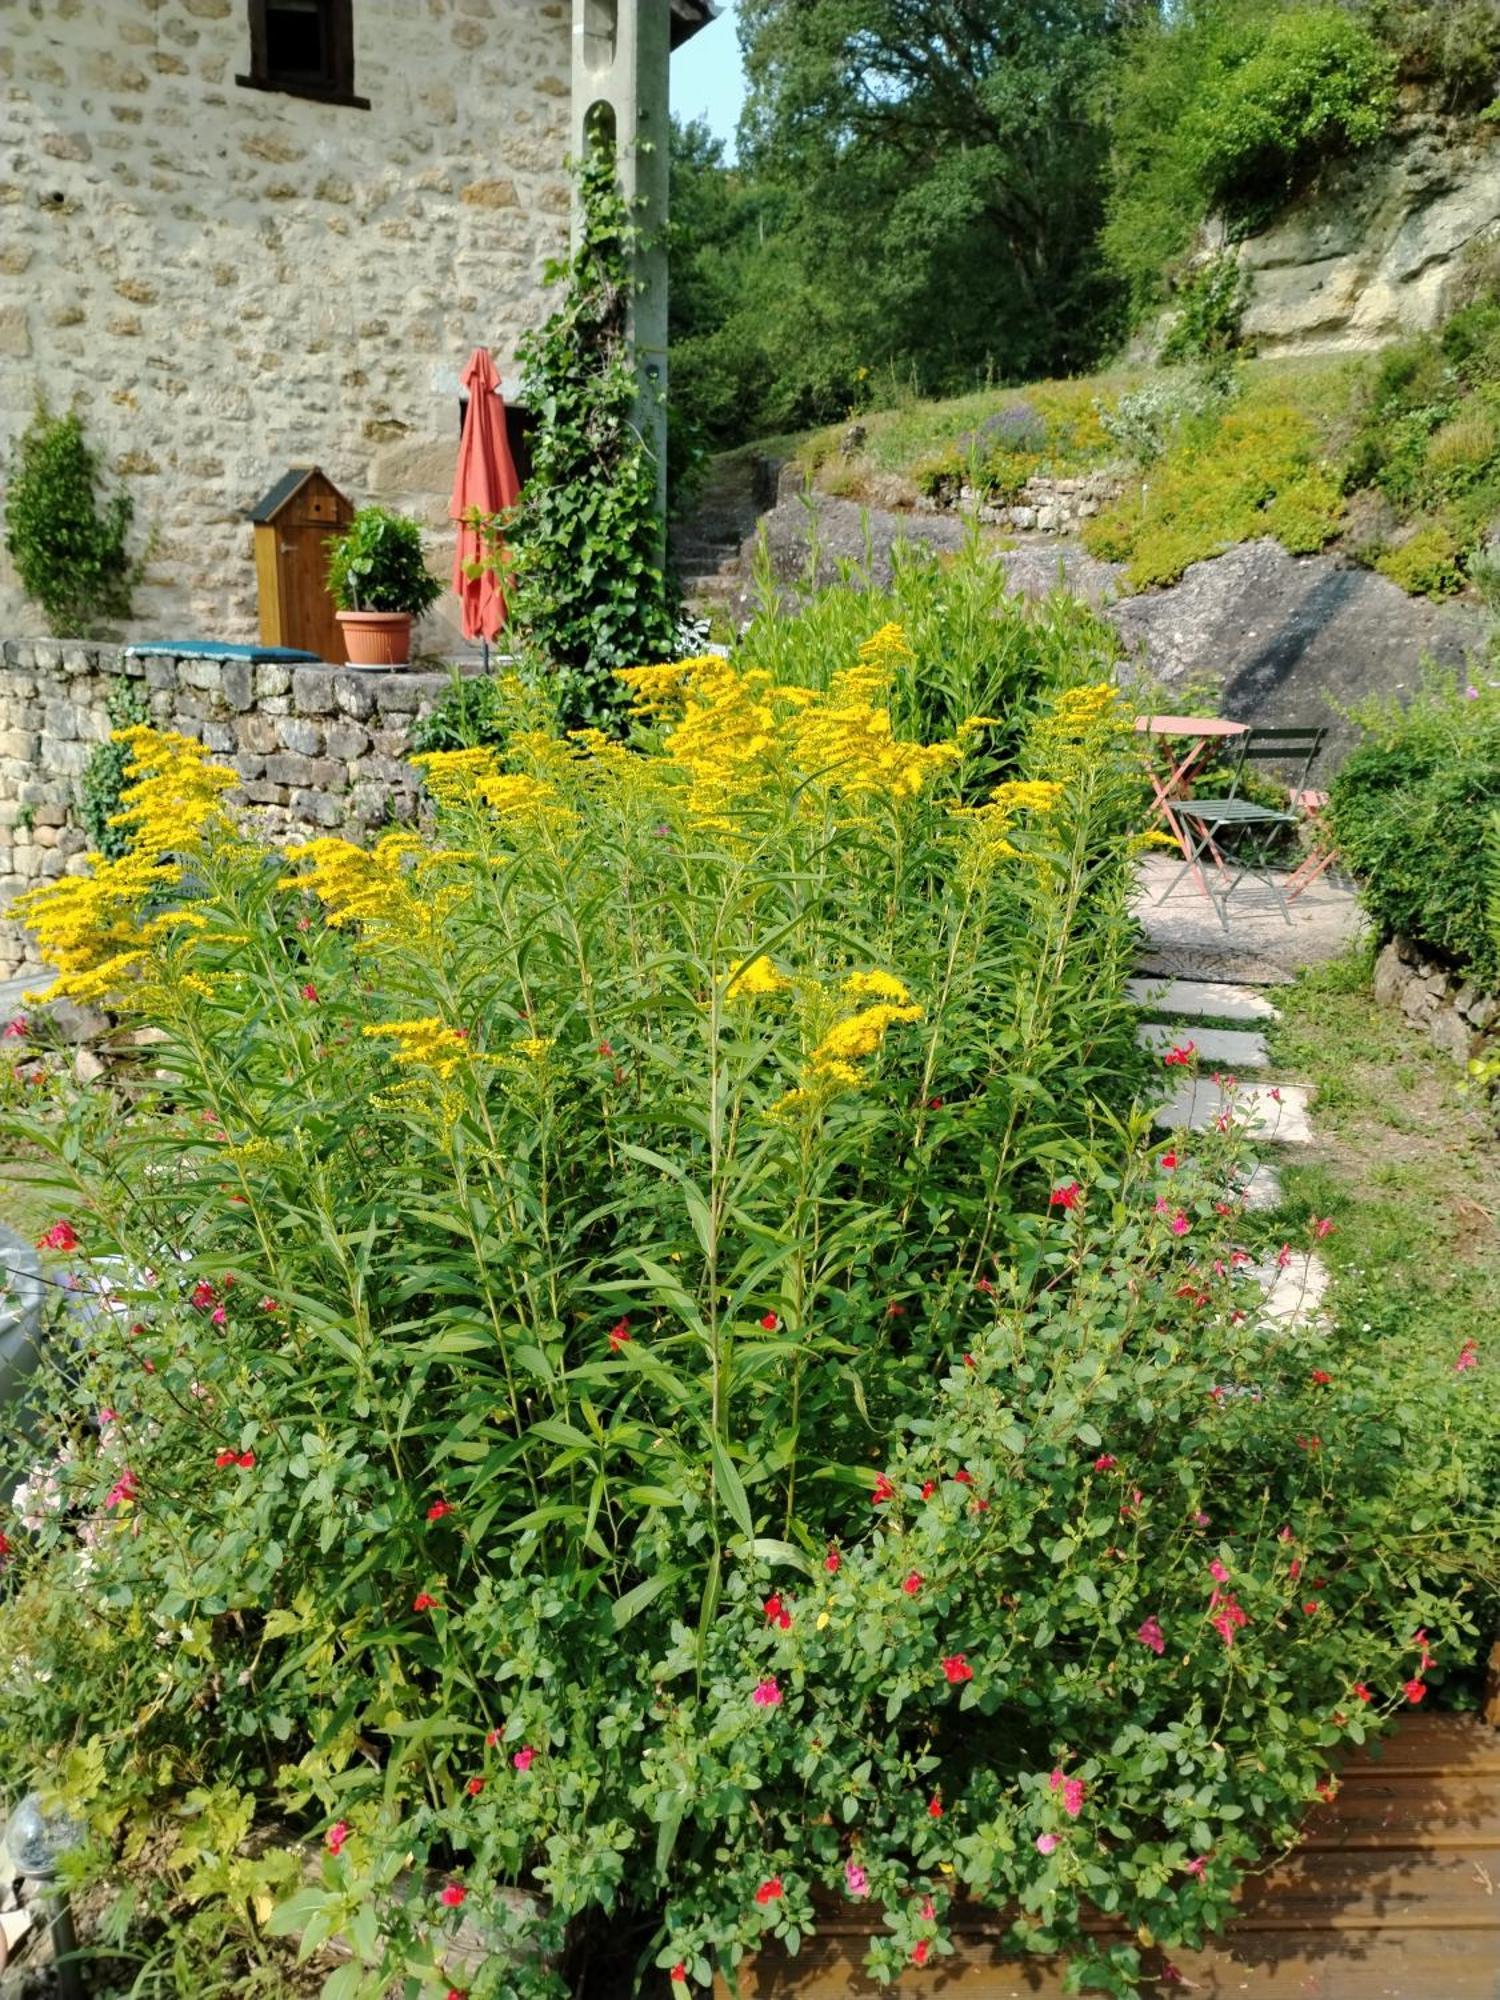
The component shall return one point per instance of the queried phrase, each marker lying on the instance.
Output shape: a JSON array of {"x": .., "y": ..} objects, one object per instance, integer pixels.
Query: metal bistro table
[{"x": 1200, "y": 733}]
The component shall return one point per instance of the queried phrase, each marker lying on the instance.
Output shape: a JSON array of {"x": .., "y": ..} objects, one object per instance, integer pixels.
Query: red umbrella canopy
[{"x": 486, "y": 479}]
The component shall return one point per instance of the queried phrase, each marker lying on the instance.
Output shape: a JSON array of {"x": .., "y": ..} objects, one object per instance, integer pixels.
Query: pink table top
[{"x": 1188, "y": 725}]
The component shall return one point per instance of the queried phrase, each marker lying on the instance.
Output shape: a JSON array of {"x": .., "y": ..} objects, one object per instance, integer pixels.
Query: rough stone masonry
[
  {"x": 317, "y": 748},
  {"x": 229, "y": 281}
]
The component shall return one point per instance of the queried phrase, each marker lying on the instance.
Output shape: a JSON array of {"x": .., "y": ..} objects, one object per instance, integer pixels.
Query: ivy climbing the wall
[{"x": 587, "y": 592}]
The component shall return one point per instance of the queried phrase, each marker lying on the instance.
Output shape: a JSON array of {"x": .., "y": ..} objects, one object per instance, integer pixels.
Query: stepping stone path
[{"x": 1198, "y": 983}]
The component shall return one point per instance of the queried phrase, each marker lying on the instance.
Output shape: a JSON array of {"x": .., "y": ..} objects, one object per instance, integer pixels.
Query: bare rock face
[{"x": 1375, "y": 250}]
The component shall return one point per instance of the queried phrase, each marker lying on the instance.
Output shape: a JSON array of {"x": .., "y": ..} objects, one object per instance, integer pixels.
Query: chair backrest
[{"x": 1298, "y": 747}]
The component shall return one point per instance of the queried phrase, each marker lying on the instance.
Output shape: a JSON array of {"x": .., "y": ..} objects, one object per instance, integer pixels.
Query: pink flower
[
  {"x": 310, "y": 992},
  {"x": 1179, "y": 1057},
  {"x": 123, "y": 1490},
  {"x": 1196, "y": 1866},
  {"x": 1168, "y": 1162},
  {"x": 1321, "y": 1225},
  {"x": 1072, "y": 1790},
  {"x": 1046, "y": 1843},
  {"x": 492, "y": 1738},
  {"x": 957, "y": 1669},
  {"x": 1217, "y": 1571},
  {"x": 1468, "y": 1357},
  {"x": 524, "y": 1759},
  {"x": 1200, "y": 1519},
  {"x": 13, "y": 1031},
  {"x": 203, "y": 1295},
  {"x": 1150, "y": 1634},
  {"x": 769, "y": 1891},
  {"x": 335, "y": 1837},
  {"x": 59, "y": 1237},
  {"x": 1283, "y": 1256},
  {"x": 1362, "y": 1692},
  {"x": 246, "y": 1461},
  {"x": 474, "y": 1787},
  {"x": 1180, "y": 1224},
  {"x": 1066, "y": 1196},
  {"x": 919, "y": 1951},
  {"x": 218, "y": 1316},
  {"x": 856, "y": 1881},
  {"x": 911, "y": 1583},
  {"x": 1105, "y": 1462},
  {"x": 269, "y": 1305},
  {"x": 451, "y": 1896},
  {"x": 832, "y": 1561},
  {"x": 619, "y": 1334},
  {"x": 884, "y": 1491},
  {"x": 679, "y": 1975},
  {"x": 777, "y": 1613},
  {"x": 766, "y": 1694}
]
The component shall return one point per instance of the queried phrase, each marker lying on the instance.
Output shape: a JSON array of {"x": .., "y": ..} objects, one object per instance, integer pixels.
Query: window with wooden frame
[{"x": 304, "y": 48}]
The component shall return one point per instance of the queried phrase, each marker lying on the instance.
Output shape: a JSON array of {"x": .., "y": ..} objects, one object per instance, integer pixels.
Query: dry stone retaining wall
[
  {"x": 319, "y": 749},
  {"x": 1458, "y": 1017},
  {"x": 1043, "y": 506}
]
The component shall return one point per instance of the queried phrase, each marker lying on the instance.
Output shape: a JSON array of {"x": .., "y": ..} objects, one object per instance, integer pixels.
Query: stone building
[{"x": 241, "y": 235}]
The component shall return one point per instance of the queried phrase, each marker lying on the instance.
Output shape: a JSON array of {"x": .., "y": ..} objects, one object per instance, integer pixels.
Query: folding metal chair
[{"x": 1213, "y": 826}]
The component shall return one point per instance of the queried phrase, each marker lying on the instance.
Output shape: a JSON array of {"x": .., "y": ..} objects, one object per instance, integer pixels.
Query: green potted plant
[{"x": 380, "y": 584}]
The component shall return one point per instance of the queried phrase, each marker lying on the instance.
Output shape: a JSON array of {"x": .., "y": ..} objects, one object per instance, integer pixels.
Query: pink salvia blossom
[
  {"x": 766, "y": 1694},
  {"x": 1150, "y": 1634}
]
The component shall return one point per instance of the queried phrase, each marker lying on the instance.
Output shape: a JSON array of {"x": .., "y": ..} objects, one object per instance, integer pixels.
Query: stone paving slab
[
  {"x": 1294, "y": 1291},
  {"x": 1229, "y": 1048},
  {"x": 1213, "y": 967},
  {"x": 1177, "y": 917},
  {"x": 1198, "y": 1102},
  {"x": 1262, "y": 1191},
  {"x": 1201, "y": 999}
]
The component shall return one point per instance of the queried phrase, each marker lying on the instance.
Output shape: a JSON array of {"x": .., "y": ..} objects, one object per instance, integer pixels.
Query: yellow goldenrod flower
[
  {"x": 424, "y": 1044},
  {"x": 173, "y": 794},
  {"x": 755, "y": 979},
  {"x": 860, "y": 1036},
  {"x": 876, "y": 986},
  {"x": 1028, "y": 795}
]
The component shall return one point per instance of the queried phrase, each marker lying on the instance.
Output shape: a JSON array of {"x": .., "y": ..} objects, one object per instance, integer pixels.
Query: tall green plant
[
  {"x": 588, "y": 592},
  {"x": 70, "y": 553},
  {"x": 103, "y": 780}
]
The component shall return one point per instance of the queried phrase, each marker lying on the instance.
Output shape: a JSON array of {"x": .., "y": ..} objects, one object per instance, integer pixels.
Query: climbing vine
[
  {"x": 587, "y": 591},
  {"x": 70, "y": 553}
]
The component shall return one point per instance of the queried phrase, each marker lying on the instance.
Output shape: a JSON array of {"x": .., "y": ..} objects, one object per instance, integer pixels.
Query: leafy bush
[
  {"x": 1209, "y": 311},
  {"x": 587, "y": 590},
  {"x": 377, "y": 565},
  {"x": 1257, "y": 472},
  {"x": 483, "y": 712},
  {"x": 1411, "y": 810},
  {"x": 1144, "y": 422},
  {"x": 1425, "y": 564},
  {"x": 103, "y": 780},
  {"x": 1450, "y": 46},
  {"x": 71, "y": 556}
]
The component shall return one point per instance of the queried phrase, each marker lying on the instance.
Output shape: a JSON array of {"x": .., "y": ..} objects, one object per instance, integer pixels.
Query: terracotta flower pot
[{"x": 376, "y": 638}]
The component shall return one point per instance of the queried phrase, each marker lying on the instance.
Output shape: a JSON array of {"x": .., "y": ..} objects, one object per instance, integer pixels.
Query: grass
[{"x": 1405, "y": 1163}]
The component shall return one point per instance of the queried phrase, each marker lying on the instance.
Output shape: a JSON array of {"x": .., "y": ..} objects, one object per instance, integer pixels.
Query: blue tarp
[{"x": 210, "y": 649}]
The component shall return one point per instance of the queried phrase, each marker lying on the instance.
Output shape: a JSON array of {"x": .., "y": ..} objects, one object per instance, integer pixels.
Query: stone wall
[
  {"x": 318, "y": 749},
  {"x": 1378, "y": 246},
  {"x": 230, "y": 281},
  {"x": 1460, "y": 1019},
  {"x": 1043, "y": 506}
]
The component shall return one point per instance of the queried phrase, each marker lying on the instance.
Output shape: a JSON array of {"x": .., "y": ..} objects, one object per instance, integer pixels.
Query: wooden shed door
[{"x": 307, "y": 614}]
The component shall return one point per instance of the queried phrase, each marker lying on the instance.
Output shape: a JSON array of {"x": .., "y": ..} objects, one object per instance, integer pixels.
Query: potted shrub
[{"x": 380, "y": 584}]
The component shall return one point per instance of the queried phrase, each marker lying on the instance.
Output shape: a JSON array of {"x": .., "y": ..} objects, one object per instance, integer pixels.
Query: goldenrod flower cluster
[
  {"x": 380, "y": 888},
  {"x": 174, "y": 793},
  {"x": 730, "y": 730},
  {"x": 98, "y": 929},
  {"x": 987, "y": 828},
  {"x": 858, "y": 1038},
  {"x": 424, "y": 1044},
  {"x": 474, "y": 778},
  {"x": 876, "y": 986},
  {"x": 833, "y": 1064},
  {"x": 755, "y": 979}
]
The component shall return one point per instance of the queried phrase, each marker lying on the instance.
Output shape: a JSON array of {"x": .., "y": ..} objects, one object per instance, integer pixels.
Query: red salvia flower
[
  {"x": 335, "y": 1837},
  {"x": 883, "y": 1491},
  {"x": 619, "y": 1333},
  {"x": 451, "y": 1896},
  {"x": 60, "y": 1236},
  {"x": 957, "y": 1669},
  {"x": 438, "y": 1509},
  {"x": 911, "y": 1584},
  {"x": 423, "y": 1601},
  {"x": 769, "y": 1891},
  {"x": 474, "y": 1787},
  {"x": 1066, "y": 1196},
  {"x": 770, "y": 1322}
]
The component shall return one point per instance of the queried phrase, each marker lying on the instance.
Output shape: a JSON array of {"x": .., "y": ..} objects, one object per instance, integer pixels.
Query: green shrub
[
  {"x": 103, "y": 777},
  {"x": 1448, "y": 46},
  {"x": 1410, "y": 812},
  {"x": 1209, "y": 311},
  {"x": 377, "y": 565},
  {"x": 679, "y": 1383},
  {"x": 1425, "y": 564},
  {"x": 483, "y": 712},
  {"x": 70, "y": 555}
]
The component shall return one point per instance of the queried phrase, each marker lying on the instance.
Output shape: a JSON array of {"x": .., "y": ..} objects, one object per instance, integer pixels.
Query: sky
[{"x": 708, "y": 79}]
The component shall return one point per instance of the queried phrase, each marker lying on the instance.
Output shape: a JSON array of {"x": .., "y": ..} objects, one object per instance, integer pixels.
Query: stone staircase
[{"x": 707, "y": 548}]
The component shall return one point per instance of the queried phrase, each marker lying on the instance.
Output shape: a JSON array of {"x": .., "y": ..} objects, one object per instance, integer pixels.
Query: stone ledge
[{"x": 1455, "y": 1014}]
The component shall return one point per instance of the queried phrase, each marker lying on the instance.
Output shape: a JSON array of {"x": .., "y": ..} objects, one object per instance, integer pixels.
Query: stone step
[
  {"x": 1227, "y": 1048},
  {"x": 1240, "y": 968},
  {"x": 1262, "y": 1192},
  {"x": 1294, "y": 1291},
  {"x": 1275, "y": 1112},
  {"x": 1201, "y": 999}
]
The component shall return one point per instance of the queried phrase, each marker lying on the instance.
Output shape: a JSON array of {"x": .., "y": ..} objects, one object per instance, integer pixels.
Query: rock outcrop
[{"x": 1377, "y": 247}]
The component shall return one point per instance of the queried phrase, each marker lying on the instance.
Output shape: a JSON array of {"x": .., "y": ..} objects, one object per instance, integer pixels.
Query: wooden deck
[{"x": 1393, "y": 1895}]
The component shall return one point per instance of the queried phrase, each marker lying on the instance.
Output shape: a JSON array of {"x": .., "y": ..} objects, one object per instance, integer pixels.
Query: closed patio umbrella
[{"x": 486, "y": 479}]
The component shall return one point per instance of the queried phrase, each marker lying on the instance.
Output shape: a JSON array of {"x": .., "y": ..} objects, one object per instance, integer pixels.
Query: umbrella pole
[{"x": 486, "y": 645}]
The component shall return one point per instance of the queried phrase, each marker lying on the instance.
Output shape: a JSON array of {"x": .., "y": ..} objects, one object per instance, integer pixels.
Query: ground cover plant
[
  {"x": 1414, "y": 811},
  {"x": 649, "y": 1362}
]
